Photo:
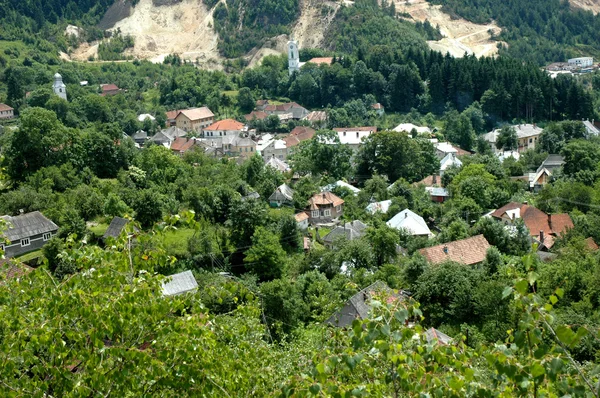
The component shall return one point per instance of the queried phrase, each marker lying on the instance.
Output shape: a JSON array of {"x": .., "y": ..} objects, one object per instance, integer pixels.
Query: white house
[
  {"x": 409, "y": 127},
  {"x": 353, "y": 136},
  {"x": 527, "y": 135},
  {"x": 378, "y": 207},
  {"x": 277, "y": 149},
  {"x": 343, "y": 184},
  {"x": 581, "y": 62},
  {"x": 410, "y": 222},
  {"x": 448, "y": 161}
]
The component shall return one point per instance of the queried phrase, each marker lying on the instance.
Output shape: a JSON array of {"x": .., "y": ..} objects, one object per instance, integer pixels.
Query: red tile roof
[
  {"x": 535, "y": 220},
  {"x": 4, "y": 107},
  {"x": 226, "y": 124},
  {"x": 428, "y": 181},
  {"x": 109, "y": 87},
  {"x": 299, "y": 134},
  {"x": 301, "y": 217},
  {"x": 324, "y": 198},
  {"x": 466, "y": 251},
  {"x": 282, "y": 107},
  {"x": 589, "y": 242},
  {"x": 258, "y": 115},
  {"x": 377, "y": 106},
  {"x": 321, "y": 60},
  {"x": 182, "y": 144},
  {"x": 560, "y": 223},
  {"x": 172, "y": 114}
]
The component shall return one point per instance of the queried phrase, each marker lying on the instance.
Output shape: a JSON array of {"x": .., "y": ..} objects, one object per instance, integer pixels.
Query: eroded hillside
[{"x": 460, "y": 35}]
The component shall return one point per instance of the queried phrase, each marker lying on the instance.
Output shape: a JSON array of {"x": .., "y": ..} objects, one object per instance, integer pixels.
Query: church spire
[
  {"x": 293, "y": 56},
  {"x": 59, "y": 87}
]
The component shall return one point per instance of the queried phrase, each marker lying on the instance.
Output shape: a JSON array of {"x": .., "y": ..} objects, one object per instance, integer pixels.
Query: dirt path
[{"x": 460, "y": 35}]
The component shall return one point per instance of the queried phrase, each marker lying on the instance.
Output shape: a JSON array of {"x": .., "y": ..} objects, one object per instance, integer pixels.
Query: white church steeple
[
  {"x": 59, "y": 87},
  {"x": 293, "y": 57}
]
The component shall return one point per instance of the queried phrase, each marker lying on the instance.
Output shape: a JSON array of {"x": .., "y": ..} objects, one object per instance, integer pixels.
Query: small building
[
  {"x": 302, "y": 220},
  {"x": 581, "y": 62},
  {"x": 181, "y": 283},
  {"x": 172, "y": 118},
  {"x": 438, "y": 194},
  {"x": 255, "y": 115},
  {"x": 297, "y": 135},
  {"x": 409, "y": 127},
  {"x": 411, "y": 223},
  {"x": 224, "y": 128},
  {"x": 182, "y": 144},
  {"x": 283, "y": 195},
  {"x": 320, "y": 61},
  {"x": 591, "y": 129},
  {"x": 242, "y": 147},
  {"x": 293, "y": 109},
  {"x": 25, "y": 233},
  {"x": 261, "y": 104},
  {"x": 140, "y": 137},
  {"x": 144, "y": 116},
  {"x": 359, "y": 305},
  {"x": 195, "y": 119},
  {"x": 341, "y": 184},
  {"x": 468, "y": 251},
  {"x": 354, "y": 136},
  {"x": 109, "y": 89},
  {"x": 350, "y": 231},
  {"x": 552, "y": 163},
  {"x": 278, "y": 165},
  {"x": 275, "y": 149},
  {"x": 117, "y": 225},
  {"x": 435, "y": 336},
  {"x": 167, "y": 136},
  {"x": 324, "y": 207},
  {"x": 317, "y": 119},
  {"x": 538, "y": 179},
  {"x": 378, "y": 108},
  {"x": 448, "y": 161},
  {"x": 6, "y": 112},
  {"x": 527, "y": 136},
  {"x": 379, "y": 207}
]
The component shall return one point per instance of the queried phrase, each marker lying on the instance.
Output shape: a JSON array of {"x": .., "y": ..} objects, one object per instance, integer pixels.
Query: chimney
[
  {"x": 21, "y": 211},
  {"x": 406, "y": 215},
  {"x": 445, "y": 249},
  {"x": 550, "y": 221},
  {"x": 542, "y": 236},
  {"x": 434, "y": 179}
]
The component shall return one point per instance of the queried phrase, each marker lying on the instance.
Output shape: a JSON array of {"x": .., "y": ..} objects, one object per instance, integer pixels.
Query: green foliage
[
  {"x": 112, "y": 49},
  {"x": 265, "y": 258},
  {"x": 322, "y": 154},
  {"x": 507, "y": 139}
]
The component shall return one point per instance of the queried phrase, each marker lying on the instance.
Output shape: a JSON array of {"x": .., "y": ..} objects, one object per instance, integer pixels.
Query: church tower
[
  {"x": 293, "y": 57},
  {"x": 59, "y": 87}
]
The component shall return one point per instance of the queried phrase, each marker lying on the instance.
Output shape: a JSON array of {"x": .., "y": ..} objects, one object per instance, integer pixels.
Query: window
[
  {"x": 327, "y": 213},
  {"x": 530, "y": 140},
  {"x": 344, "y": 133},
  {"x": 315, "y": 213},
  {"x": 47, "y": 236},
  {"x": 357, "y": 134},
  {"x": 25, "y": 242},
  {"x": 338, "y": 208},
  {"x": 251, "y": 149},
  {"x": 220, "y": 133}
]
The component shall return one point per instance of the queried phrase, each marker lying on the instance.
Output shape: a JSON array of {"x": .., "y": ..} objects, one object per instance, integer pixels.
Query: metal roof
[
  {"x": 116, "y": 227},
  {"x": 27, "y": 225},
  {"x": 180, "y": 283}
]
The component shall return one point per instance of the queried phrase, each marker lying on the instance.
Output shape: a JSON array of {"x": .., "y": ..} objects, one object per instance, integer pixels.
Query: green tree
[
  {"x": 384, "y": 241},
  {"x": 265, "y": 258},
  {"x": 323, "y": 154},
  {"x": 148, "y": 207},
  {"x": 507, "y": 139},
  {"x": 245, "y": 99}
]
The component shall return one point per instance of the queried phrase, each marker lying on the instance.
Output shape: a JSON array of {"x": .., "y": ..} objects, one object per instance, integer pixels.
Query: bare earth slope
[
  {"x": 460, "y": 35},
  {"x": 589, "y": 5}
]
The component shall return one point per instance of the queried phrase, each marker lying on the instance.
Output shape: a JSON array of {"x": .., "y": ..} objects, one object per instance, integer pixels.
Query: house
[
  {"x": 527, "y": 135},
  {"x": 261, "y": 104},
  {"x": 540, "y": 224},
  {"x": 539, "y": 179},
  {"x": 297, "y": 135},
  {"x": 115, "y": 228},
  {"x": 6, "y": 112},
  {"x": 444, "y": 148},
  {"x": 25, "y": 233},
  {"x": 433, "y": 180},
  {"x": 182, "y": 144},
  {"x": 109, "y": 89},
  {"x": 275, "y": 149},
  {"x": 195, "y": 119},
  {"x": 468, "y": 251},
  {"x": 359, "y": 306},
  {"x": 350, "y": 231},
  {"x": 438, "y": 194},
  {"x": 172, "y": 118},
  {"x": 448, "y": 161},
  {"x": 378, "y": 108},
  {"x": 251, "y": 196},
  {"x": 378, "y": 207},
  {"x": 242, "y": 147},
  {"x": 140, "y": 137},
  {"x": 224, "y": 128},
  {"x": 552, "y": 162},
  {"x": 167, "y": 136},
  {"x": 409, "y": 127},
  {"x": 283, "y": 195},
  {"x": 278, "y": 165},
  {"x": 590, "y": 128},
  {"x": 502, "y": 156},
  {"x": 296, "y": 111},
  {"x": 255, "y": 115},
  {"x": 302, "y": 220},
  {"x": 183, "y": 282},
  {"x": 591, "y": 244},
  {"x": 341, "y": 184},
  {"x": 353, "y": 136},
  {"x": 581, "y": 62},
  {"x": 317, "y": 118},
  {"x": 144, "y": 116},
  {"x": 411, "y": 223},
  {"x": 324, "y": 207}
]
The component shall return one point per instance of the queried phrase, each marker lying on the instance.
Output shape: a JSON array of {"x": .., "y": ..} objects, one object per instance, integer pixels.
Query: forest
[{"x": 90, "y": 318}]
